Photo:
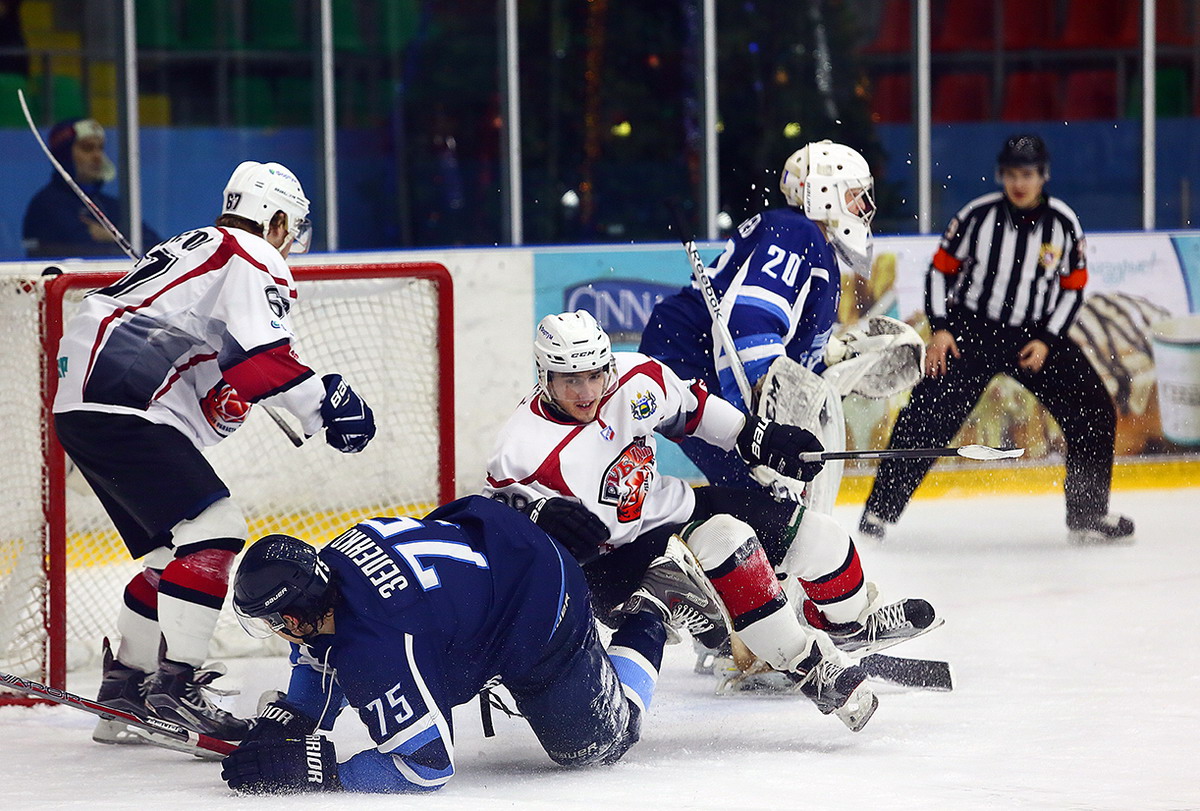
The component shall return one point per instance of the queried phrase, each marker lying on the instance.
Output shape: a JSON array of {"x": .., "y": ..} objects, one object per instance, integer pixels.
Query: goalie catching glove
[
  {"x": 348, "y": 420},
  {"x": 778, "y": 446},
  {"x": 288, "y": 766},
  {"x": 571, "y": 524}
]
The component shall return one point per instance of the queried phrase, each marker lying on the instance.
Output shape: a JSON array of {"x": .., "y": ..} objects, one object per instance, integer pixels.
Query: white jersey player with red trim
[
  {"x": 610, "y": 464},
  {"x": 188, "y": 338}
]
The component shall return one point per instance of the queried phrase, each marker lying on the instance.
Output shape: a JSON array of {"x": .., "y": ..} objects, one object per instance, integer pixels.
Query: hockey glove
[
  {"x": 278, "y": 720},
  {"x": 778, "y": 446},
  {"x": 349, "y": 421},
  {"x": 282, "y": 766},
  {"x": 571, "y": 524}
]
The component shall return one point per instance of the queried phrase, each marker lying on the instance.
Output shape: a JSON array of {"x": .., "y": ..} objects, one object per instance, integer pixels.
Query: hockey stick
[
  {"x": 923, "y": 674},
  {"x": 714, "y": 308},
  {"x": 978, "y": 452},
  {"x": 117, "y": 236},
  {"x": 154, "y": 730}
]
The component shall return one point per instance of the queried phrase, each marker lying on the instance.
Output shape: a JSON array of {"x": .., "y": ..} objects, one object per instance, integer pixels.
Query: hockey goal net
[{"x": 388, "y": 329}]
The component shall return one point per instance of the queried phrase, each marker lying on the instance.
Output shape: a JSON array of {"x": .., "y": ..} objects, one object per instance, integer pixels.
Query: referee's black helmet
[{"x": 1024, "y": 150}]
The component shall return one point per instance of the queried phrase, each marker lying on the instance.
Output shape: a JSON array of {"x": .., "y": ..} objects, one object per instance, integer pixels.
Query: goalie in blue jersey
[
  {"x": 779, "y": 282},
  {"x": 403, "y": 619}
]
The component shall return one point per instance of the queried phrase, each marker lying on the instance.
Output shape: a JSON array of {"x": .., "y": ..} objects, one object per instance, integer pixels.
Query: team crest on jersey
[
  {"x": 223, "y": 409},
  {"x": 1049, "y": 255},
  {"x": 627, "y": 480},
  {"x": 643, "y": 405}
]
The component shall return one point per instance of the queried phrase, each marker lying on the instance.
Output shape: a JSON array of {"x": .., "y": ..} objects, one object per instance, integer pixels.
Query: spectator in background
[{"x": 56, "y": 222}]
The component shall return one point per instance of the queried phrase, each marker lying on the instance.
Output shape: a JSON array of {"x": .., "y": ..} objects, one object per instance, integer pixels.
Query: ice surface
[{"x": 1078, "y": 672}]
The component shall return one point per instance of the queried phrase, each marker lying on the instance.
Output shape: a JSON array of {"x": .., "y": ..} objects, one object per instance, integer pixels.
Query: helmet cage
[{"x": 834, "y": 186}]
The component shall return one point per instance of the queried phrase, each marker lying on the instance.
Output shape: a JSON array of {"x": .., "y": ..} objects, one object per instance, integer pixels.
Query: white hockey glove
[{"x": 881, "y": 358}]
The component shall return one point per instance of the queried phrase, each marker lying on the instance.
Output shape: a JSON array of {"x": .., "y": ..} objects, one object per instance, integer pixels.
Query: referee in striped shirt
[{"x": 1001, "y": 293}]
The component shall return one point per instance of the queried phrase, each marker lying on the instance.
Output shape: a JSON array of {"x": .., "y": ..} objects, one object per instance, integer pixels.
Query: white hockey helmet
[
  {"x": 833, "y": 184},
  {"x": 257, "y": 190},
  {"x": 570, "y": 343}
]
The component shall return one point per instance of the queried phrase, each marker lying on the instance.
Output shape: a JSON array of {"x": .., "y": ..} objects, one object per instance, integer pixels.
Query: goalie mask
[
  {"x": 281, "y": 575},
  {"x": 833, "y": 184},
  {"x": 571, "y": 343},
  {"x": 257, "y": 190}
]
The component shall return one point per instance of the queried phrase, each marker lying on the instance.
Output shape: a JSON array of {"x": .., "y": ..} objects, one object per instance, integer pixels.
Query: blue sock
[{"x": 636, "y": 653}]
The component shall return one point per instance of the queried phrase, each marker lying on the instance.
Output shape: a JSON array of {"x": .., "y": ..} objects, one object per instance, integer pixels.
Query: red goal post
[{"x": 387, "y": 328}]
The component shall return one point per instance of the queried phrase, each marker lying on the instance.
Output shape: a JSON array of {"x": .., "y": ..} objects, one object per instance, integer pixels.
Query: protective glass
[
  {"x": 301, "y": 232},
  {"x": 261, "y": 627}
]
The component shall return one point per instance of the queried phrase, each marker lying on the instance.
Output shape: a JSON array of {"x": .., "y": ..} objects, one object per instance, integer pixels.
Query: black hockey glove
[
  {"x": 778, "y": 446},
  {"x": 571, "y": 524},
  {"x": 282, "y": 766},
  {"x": 349, "y": 421},
  {"x": 278, "y": 720}
]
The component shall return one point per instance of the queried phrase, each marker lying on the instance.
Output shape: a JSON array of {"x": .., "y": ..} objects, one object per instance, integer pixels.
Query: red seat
[
  {"x": 1028, "y": 24},
  {"x": 1090, "y": 94},
  {"x": 1170, "y": 25},
  {"x": 895, "y": 29},
  {"x": 1032, "y": 96},
  {"x": 962, "y": 97},
  {"x": 1097, "y": 23},
  {"x": 891, "y": 98},
  {"x": 968, "y": 25}
]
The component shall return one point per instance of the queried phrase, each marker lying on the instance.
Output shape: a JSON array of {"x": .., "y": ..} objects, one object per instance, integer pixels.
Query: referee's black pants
[{"x": 1067, "y": 386}]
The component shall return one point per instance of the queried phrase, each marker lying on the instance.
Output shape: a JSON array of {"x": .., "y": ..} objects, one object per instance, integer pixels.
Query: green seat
[
  {"x": 253, "y": 101},
  {"x": 66, "y": 93},
  {"x": 346, "y": 36},
  {"x": 156, "y": 24},
  {"x": 10, "y": 108},
  {"x": 274, "y": 25},
  {"x": 1171, "y": 96},
  {"x": 398, "y": 24}
]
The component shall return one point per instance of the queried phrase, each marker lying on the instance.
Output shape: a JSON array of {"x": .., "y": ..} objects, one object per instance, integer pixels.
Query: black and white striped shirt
[{"x": 1018, "y": 268}]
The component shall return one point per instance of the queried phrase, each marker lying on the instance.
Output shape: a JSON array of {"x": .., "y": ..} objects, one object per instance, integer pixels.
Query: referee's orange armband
[
  {"x": 1075, "y": 280},
  {"x": 946, "y": 262}
]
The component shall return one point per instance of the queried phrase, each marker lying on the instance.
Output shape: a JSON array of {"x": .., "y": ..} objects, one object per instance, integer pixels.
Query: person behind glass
[
  {"x": 1001, "y": 293},
  {"x": 57, "y": 223}
]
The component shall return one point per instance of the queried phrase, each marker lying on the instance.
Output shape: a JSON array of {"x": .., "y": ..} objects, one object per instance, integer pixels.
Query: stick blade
[{"x": 985, "y": 453}]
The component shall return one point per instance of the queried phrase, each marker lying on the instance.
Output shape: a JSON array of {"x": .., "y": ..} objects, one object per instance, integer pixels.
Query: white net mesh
[{"x": 381, "y": 334}]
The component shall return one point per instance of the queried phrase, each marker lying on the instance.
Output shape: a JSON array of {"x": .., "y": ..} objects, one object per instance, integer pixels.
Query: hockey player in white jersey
[
  {"x": 154, "y": 368},
  {"x": 579, "y": 457}
]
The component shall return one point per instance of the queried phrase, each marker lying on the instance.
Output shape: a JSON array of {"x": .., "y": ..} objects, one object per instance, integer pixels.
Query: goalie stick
[
  {"x": 979, "y": 452},
  {"x": 922, "y": 674},
  {"x": 154, "y": 730},
  {"x": 118, "y": 237}
]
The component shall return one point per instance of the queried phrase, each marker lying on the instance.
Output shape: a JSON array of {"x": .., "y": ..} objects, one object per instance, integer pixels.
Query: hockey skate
[
  {"x": 836, "y": 689},
  {"x": 676, "y": 590},
  {"x": 881, "y": 627},
  {"x": 122, "y": 688},
  {"x": 872, "y": 526},
  {"x": 1113, "y": 529},
  {"x": 178, "y": 693}
]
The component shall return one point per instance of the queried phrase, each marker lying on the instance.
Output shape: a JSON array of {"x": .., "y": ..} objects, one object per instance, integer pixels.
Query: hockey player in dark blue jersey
[
  {"x": 779, "y": 282},
  {"x": 404, "y": 619}
]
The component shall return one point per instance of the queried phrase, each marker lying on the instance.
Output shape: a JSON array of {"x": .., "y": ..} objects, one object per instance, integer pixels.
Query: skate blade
[
  {"x": 115, "y": 732},
  {"x": 875, "y": 646},
  {"x": 858, "y": 709}
]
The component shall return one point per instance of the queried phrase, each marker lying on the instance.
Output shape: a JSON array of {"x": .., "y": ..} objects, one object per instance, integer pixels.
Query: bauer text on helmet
[
  {"x": 833, "y": 184},
  {"x": 575, "y": 364},
  {"x": 257, "y": 190}
]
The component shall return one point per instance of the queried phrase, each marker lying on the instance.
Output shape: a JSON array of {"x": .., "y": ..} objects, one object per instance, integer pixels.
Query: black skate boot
[
  {"x": 177, "y": 693},
  {"x": 122, "y": 688},
  {"x": 872, "y": 526},
  {"x": 840, "y": 690},
  {"x": 1113, "y": 529},
  {"x": 881, "y": 627},
  {"x": 676, "y": 590}
]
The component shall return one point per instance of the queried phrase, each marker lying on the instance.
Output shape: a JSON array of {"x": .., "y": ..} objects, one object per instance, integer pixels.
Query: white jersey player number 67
[{"x": 411, "y": 551}]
